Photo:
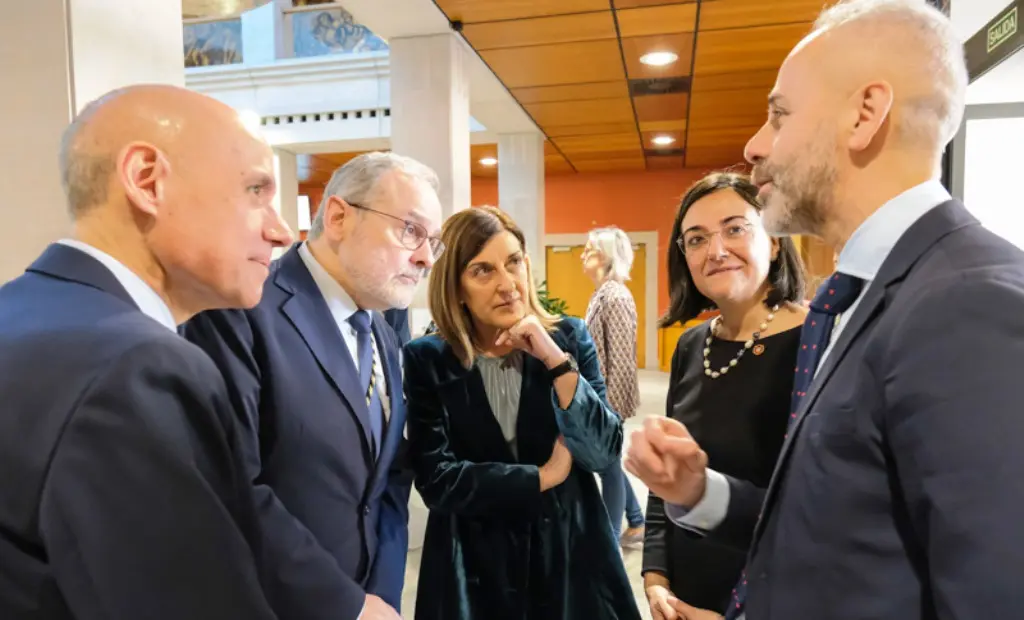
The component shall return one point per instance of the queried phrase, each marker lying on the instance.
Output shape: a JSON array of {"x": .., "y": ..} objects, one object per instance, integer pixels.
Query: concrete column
[
  {"x": 521, "y": 190},
  {"x": 263, "y": 35},
  {"x": 61, "y": 55},
  {"x": 430, "y": 110},
  {"x": 287, "y": 199}
]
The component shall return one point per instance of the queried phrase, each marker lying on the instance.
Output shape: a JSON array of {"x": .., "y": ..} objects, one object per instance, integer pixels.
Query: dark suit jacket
[
  {"x": 398, "y": 319},
  {"x": 898, "y": 494},
  {"x": 120, "y": 494},
  {"x": 496, "y": 547},
  {"x": 335, "y": 518}
]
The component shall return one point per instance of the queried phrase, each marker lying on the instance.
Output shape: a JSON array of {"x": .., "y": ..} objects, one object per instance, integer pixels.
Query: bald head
[
  {"x": 907, "y": 44},
  {"x": 167, "y": 119}
]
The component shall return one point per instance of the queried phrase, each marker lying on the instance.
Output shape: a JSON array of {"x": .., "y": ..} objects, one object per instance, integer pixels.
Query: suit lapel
[
  {"x": 71, "y": 264},
  {"x": 918, "y": 239},
  {"x": 307, "y": 311}
]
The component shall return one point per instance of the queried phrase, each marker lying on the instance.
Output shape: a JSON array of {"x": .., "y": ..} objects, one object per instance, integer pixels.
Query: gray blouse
[{"x": 503, "y": 382}]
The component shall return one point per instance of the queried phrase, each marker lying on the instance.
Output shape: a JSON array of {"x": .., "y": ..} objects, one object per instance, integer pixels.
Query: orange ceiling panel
[
  {"x": 541, "y": 31},
  {"x": 473, "y": 11},
  {"x": 564, "y": 63}
]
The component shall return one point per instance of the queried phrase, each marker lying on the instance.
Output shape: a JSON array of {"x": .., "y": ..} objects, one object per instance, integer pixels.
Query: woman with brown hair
[
  {"x": 507, "y": 423},
  {"x": 731, "y": 378}
]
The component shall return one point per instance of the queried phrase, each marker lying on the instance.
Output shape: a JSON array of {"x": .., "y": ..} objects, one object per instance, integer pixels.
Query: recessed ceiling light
[
  {"x": 488, "y": 161},
  {"x": 663, "y": 140},
  {"x": 659, "y": 59}
]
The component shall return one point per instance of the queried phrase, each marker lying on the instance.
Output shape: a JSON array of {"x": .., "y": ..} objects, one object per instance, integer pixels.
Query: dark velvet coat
[{"x": 497, "y": 548}]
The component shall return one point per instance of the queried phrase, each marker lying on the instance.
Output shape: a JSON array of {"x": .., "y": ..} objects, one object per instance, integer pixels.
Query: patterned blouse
[{"x": 611, "y": 320}]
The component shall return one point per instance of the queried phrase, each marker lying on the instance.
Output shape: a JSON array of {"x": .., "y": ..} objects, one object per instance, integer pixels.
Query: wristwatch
[{"x": 569, "y": 365}]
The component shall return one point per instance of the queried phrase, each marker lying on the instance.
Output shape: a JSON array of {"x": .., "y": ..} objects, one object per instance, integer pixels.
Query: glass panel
[
  {"x": 213, "y": 43},
  {"x": 331, "y": 31}
]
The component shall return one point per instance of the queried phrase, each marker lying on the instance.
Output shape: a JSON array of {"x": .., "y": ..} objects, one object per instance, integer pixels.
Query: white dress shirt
[
  {"x": 148, "y": 301},
  {"x": 342, "y": 307},
  {"x": 862, "y": 256}
]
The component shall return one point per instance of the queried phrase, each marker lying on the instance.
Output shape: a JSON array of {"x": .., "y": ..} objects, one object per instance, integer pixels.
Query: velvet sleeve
[
  {"x": 592, "y": 430},
  {"x": 452, "y": 485}
]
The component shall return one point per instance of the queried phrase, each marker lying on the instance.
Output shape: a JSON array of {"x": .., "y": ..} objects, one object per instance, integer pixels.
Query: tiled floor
[{"x": 653, "y": 388}]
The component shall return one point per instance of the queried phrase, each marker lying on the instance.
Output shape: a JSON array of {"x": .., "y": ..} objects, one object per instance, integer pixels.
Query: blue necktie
[
  {"x": 834, "y": 297},
  {"x": 361, "y": 322}
]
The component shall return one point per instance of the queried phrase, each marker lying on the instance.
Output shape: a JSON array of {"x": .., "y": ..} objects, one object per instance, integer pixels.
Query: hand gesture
[
  {"x": 689, "y": 612},
  {"x": 669, "y": 461},
  {"x": 529, "y": 335},
  {"x": 376, "y": 609},
  {"x": 660, "y": 599},
  {"x": 556, "y": 470}
]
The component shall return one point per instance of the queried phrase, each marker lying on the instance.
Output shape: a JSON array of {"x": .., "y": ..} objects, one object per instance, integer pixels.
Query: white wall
[{"x": 994, "y": 160}]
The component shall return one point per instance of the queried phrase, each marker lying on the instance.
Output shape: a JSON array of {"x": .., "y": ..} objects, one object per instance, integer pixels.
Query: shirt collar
[
  {"x": 871, "y": 243},
  {"x": 148, "y": 301},
  {"x": 338, "y": 300}
]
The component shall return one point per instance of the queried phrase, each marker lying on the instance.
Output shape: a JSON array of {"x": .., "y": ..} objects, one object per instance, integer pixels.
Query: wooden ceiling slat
[
  {"x": 720, "y": 136},
  {"x": 660, "y": 107},
  {"x": 549, "y": 65},
  {"x": 572, "y": 92},
  {"x": 541, "y": 31},
  {"x": 557, "y": 131},
  {"x": 605, "y": 165},
  {"x": 728, "y": 14},
  {"x": 593, "y": 112},
  {"x": 575, "y": 145},
  {"x": 714, "y": 156},
  {"x": 473, "y": 11},
  {"x": 728, "y": 108},
  {"x": 653, "y": 20},
  {"x": 750, "y": 49},
  {"x": 678, "y": 124},
  {"x": 738, "y": 80},
  {"x": 631, "y": 4},
  {"x": 665, "y": 163},
  {"x": 635, "y": 47}
]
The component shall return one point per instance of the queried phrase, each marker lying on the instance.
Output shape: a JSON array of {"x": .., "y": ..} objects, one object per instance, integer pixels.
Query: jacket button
[{"x": 366, "y": 510}]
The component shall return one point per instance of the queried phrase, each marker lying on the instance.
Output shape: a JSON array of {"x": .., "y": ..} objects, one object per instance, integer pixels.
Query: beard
[
  {"x": 802, "y": 192},
  {"x": 375, "y": 280}
]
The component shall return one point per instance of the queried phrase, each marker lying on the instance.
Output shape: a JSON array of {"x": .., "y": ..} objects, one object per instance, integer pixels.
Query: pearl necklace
[{"x": 715, "y": 323}]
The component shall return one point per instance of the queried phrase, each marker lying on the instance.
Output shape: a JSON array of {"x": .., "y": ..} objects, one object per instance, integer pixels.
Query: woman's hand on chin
[{"x": 529, "y": 335}]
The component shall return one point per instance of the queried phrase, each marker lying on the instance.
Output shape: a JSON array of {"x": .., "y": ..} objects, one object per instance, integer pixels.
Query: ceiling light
[
  {"x": 659, "y": 59},
  {"x": 488, "y": 161},
  {"x": 663, "y": 140}
]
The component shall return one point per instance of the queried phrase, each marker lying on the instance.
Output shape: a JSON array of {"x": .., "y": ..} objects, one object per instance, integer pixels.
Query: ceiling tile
[
  {"x": 714, "y": 156},
  {"x": 541, "y": 30},
  {"x": 657, "y": 20},
  {"x": 593, "y": 112},
  {"x": 635, "y": 47},
  {"x": 660, "y": 107},
  {"x": 733, "y": 135},
  {"x": 605, "y": 165},
  {"x": 726, "y": 108},
  {"x": 574, "y": 146},
  {"x": 665, "y": 163},
  {"x": 676, "y": 124},
  {"x": 749, "y": 49},
  {"x": 728, "y": 14},
  {"x": 556, "y": 131},
  {"x": 565, "y": 63},
  {"x": 629, "y": 4},
  {"x": 763, "y": 79},
  {"x": 572, "y": 92},
  {"x": 471, "y": 11}
]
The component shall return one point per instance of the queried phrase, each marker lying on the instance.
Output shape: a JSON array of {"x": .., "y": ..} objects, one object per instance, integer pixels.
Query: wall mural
[
  {"x": 332, "y": 31},
  {"x": 213, "y": 43}
]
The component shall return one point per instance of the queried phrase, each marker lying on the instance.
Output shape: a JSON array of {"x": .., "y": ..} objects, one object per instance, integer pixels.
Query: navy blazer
[
  {"x": 897, "y": 495},
  {"x": 120, "y": 493},
  {"x": 335, "y": 518},
  {"x": 497, "y": 547}
]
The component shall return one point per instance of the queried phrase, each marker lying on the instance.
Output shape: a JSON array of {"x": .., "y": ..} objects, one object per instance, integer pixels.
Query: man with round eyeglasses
[{"x": 315, "y": 377}]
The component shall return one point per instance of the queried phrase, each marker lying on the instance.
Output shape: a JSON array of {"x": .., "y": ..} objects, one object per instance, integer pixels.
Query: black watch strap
[{"x": 569, "y": 365}]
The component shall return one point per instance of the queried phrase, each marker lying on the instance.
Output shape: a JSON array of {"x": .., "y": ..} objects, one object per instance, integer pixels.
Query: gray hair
[
  {"x": 85, "y": 170},
  {"x": 356, "y": 180},
  {"x": 936, "y": 114},
  {"x": 616, "y": 248}
]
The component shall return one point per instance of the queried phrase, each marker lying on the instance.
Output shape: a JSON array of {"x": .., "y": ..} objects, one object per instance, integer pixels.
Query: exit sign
[
  {"x": 1003, "y": 30},
  {"x": 998, "y": 40}
]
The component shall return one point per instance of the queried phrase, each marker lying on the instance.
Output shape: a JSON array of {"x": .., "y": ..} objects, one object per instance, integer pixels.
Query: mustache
[
  {"x": 760, "y": 175},
  {"x": 417, "y": 274}
]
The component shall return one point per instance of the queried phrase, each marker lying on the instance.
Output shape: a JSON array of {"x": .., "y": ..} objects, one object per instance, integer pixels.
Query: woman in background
[
  {"x": 612, "y": 321},
  {"x": 507, "y": 423},
  {"x": 732, "y": 377}
]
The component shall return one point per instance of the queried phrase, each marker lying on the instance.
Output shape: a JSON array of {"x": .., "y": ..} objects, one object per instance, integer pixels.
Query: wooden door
[{"x": 567, "y": 281}]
